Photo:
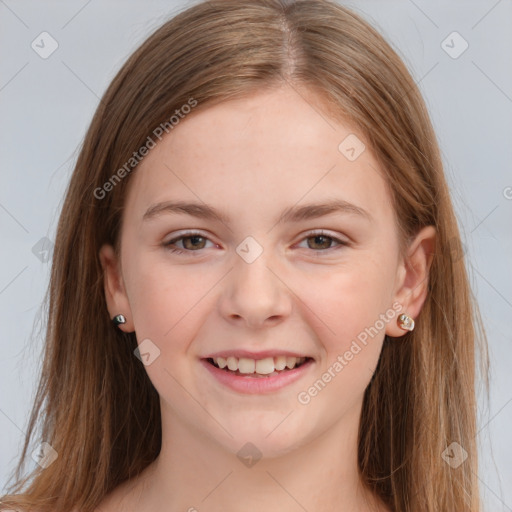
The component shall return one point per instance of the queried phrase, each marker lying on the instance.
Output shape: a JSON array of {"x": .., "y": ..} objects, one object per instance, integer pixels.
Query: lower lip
[{"x": 257, "y": 385}]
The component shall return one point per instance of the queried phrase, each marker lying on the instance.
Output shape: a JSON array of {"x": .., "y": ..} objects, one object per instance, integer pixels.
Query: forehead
[{"x": 269, "y": 148}]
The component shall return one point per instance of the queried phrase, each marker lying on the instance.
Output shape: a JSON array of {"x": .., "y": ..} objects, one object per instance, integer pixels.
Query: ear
[
  {"x": 413, "y": 277},
  {"x": 115, "y": 292}
]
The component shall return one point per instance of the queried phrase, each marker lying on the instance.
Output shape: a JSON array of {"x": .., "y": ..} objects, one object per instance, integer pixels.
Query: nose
[{"x": 255, "y": 295}]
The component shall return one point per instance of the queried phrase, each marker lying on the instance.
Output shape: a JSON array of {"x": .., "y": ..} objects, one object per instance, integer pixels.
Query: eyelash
[{"x": 168, "y": 245}]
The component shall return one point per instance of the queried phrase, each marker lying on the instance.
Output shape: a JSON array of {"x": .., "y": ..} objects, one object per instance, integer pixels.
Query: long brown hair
[{"x": 95, "y": 404}]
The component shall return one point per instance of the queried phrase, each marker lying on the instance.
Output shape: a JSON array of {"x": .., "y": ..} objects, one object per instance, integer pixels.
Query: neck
[{"x": 194, "y": 473}]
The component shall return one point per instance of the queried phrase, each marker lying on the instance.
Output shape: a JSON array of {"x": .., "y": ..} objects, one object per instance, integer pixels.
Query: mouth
[{"x": 266, "y": 367}]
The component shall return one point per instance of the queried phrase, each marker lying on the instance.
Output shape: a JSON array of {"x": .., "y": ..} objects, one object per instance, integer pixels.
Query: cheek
[
  {"x": 163, "y": 296},
  {"x": 350, "y": 321},
  {"x": 351, "y": 303},
  {"x": 168, "y": 304}
]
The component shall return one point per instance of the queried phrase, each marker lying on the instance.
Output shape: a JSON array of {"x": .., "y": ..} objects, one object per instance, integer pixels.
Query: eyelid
[
  {"x": 322, "y": 232},
  {"x": 185, "y": 234},
  {"x": 191, "y": 233}
]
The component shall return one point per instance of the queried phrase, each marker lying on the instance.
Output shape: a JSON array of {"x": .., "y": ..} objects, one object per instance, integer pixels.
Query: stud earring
[
  {"x": 118, "y": 320},
  {"x": 405, "y": 322}
]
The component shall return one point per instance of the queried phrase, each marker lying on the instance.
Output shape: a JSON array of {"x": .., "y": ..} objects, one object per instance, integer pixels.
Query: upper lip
[{"x": 254, "y": 355}]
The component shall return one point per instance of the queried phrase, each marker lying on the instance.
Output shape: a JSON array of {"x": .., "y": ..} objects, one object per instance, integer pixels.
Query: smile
[
  {"x": 257, "y": 376},
  {"x": 257, "y": 367}
]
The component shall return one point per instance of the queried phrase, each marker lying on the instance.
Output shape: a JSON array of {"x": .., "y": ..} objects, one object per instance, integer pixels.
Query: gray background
[{"x": 47, "y": 104}]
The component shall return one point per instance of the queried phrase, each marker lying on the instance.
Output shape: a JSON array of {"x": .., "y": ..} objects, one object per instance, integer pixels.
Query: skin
[{"x": 251, "y": 159}]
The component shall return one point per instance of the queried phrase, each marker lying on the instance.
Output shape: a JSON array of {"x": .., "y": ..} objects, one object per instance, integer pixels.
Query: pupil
[
  {"x": 193, "y": 240},
  {"x": 321, "y": 238}
]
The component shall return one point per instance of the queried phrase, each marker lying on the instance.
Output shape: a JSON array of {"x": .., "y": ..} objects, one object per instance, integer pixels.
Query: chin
[{"x": 267, "y": 438}]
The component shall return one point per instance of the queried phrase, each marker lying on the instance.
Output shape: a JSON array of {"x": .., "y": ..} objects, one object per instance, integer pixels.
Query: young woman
[{"x": 256, "y": 299}]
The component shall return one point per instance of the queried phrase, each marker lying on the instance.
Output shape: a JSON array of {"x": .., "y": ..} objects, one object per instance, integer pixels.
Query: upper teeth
[{"x": 263, "y": 366}]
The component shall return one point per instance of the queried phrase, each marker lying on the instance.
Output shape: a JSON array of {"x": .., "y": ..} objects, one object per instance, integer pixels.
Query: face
[{"x": 258, "y": 274}]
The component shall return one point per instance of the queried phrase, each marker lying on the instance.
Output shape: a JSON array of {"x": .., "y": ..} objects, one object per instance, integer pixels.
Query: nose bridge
[
  {"x": 253, "y": 259},
  {"x": 255, "y": 293}
]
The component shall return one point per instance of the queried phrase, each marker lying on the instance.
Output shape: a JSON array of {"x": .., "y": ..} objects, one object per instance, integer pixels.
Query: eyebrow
[{"x": 291, "y": 214}]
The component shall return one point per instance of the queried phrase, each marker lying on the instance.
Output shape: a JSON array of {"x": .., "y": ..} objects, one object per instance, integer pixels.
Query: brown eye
[
  {"x": 187, "y": 243},
  {"x": 193, "y": 242},
  {"x": 320, "y": 242}
]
